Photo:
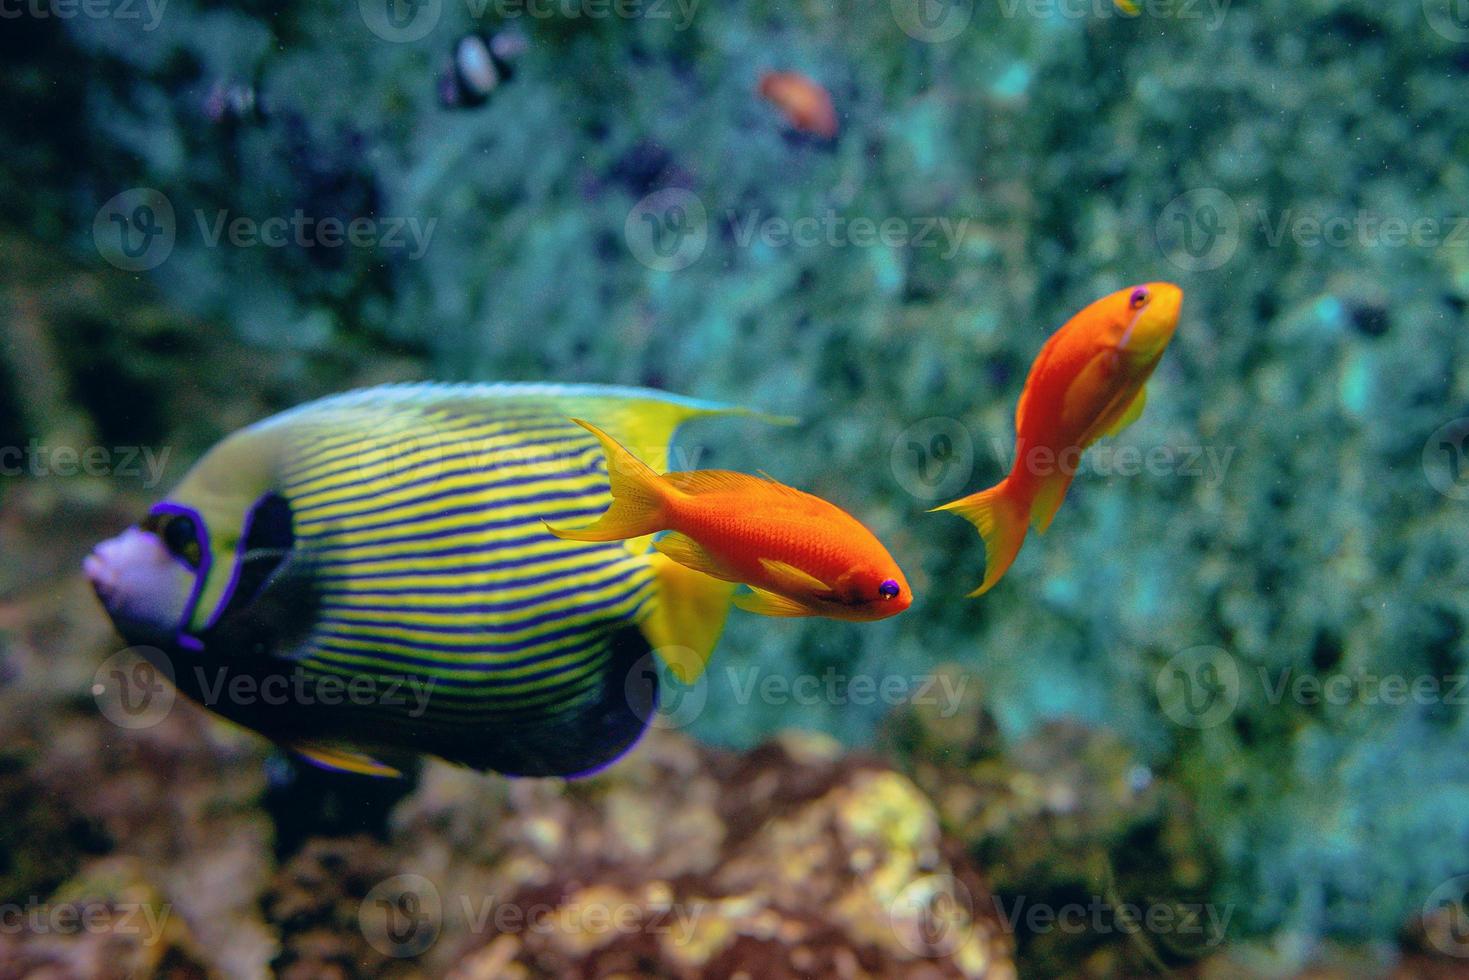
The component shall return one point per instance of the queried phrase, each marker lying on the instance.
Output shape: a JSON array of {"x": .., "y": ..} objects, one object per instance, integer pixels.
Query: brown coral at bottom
[{"x": 790, "y": 860}]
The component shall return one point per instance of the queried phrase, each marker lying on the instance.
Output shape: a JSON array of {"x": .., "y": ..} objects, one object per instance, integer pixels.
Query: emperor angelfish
[{"x": 375, "y": 566}]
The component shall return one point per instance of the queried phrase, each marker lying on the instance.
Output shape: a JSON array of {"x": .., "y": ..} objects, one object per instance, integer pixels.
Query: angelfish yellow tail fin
[
  {"x": 1002, "y": 520},
  {"x": 638, "y": 497}
]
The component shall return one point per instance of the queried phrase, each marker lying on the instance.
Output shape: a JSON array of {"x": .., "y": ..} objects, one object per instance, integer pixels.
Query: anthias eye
[
  {"x": 889, "y": 589},
  {"x": 1138, "y": 298}
]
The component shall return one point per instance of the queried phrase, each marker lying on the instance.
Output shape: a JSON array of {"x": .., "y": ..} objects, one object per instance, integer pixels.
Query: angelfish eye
[
  {"x": 179, "y": 534},
  {"x": 889, "y": 589},
  {"x": 1138, "y": 298}
]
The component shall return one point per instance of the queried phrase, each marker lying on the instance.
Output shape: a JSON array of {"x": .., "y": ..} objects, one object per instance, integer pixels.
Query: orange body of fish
[
  {"x": 801, "y": 555},
  {"x": 1087, "y": 382},
  {"x": 807, "y": 106}
]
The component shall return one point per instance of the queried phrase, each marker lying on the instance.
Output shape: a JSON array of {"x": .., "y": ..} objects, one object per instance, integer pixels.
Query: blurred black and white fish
[
  {"x": 393, "y": 540},
  {"x": 478, "y": 65}
]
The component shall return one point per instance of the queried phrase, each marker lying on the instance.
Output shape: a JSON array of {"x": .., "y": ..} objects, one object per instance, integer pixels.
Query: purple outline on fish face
[
  {"x": 206, "y": 562},
  {"x": 234, "y": 582}
]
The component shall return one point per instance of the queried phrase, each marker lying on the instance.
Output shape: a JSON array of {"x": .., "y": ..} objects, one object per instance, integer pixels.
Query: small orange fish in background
[
  {"x": 802, "y": 555},
  {"x": 806, "y": 104},
  {"x": 1087, "y": 382}
]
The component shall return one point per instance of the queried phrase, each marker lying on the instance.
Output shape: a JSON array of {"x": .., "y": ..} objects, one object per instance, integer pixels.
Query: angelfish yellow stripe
[
  {"x": 387, "y": 458},
  {"x": 421, "y": 643},
  {"x": 326, "y": 435},
  {"x": 469, "y": 672},
  {"x": 405, "y": 507},
  {"x": 415, "y": 612},
  {"x": 579, "y": 587},
  {"x": 570, "y": 559},
  {"x": 464, "y": 702}
]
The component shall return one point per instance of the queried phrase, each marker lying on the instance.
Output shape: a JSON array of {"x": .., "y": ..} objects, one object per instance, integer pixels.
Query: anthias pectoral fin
[
  {"x": 769, "y": 604},
  {"x": 691, "y": 554},
  {"x": 1134, "y": 410},
  {"x": 792, "y": 578}
]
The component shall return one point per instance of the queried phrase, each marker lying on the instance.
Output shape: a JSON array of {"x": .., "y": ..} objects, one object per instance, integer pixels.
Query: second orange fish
[
  {"x": 807, "y": 106},
  {"x": 1087, "y": 382}
]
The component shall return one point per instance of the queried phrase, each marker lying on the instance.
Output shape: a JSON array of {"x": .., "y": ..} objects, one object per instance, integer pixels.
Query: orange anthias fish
[
  {"x": 807, "y": 106},
  {"x": 1087, "y": 382},
  {"x": 802, "y": 555}
]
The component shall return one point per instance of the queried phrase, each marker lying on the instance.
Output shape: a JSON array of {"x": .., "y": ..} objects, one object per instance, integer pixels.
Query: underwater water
[{"x": 1210, "y": 723}]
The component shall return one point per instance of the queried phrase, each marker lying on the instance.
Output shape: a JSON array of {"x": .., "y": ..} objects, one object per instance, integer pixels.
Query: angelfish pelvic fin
[
  {"x": 340, "y": 759},
  {"x": 687, "y": 618}
]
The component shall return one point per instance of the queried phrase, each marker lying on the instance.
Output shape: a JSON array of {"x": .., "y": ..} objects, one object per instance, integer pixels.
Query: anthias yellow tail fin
[
  {"x": 1001, "y": 520},
  {"x": 638, "y": 495}
]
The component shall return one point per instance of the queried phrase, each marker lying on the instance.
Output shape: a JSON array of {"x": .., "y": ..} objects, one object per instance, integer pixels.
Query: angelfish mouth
[{"x": 102, "y": 575}]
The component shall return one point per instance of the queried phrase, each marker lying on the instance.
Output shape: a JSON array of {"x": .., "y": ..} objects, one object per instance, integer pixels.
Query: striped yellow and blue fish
[{"x": 369, "y": 577}]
